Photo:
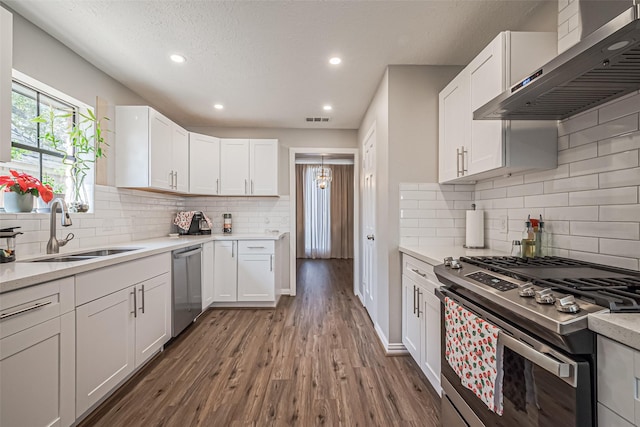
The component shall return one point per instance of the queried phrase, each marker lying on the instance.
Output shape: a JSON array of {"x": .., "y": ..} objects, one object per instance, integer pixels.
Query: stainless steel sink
[
  {"x": 83, "y": 256},
  {"x": 105, "y": 252}
]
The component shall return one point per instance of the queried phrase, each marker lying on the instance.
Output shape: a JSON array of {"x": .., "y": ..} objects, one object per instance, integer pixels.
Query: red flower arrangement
[{"x": 23, "y": 183}]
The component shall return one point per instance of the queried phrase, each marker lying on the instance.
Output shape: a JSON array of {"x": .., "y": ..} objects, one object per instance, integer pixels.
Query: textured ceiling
[{"x": 267, "y": 61}]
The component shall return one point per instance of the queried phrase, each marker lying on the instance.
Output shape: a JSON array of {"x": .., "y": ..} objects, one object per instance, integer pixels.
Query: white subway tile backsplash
[
  {"x": 619, "y": 144},
  {"x": 551, "y": 200},
  {"x": 620, "y": 108},
  {"x": 620, "y": 178},
  {"x": 586, "y": 213},
  {"x": 620, "y": 213},
  {"x": 408, "y": 204},
  {"x": 562, "y": 171},
  {"x": 508, "y": 181},
  {"x": 605, "y": 130},
  {"x": 619, "y": 230},
  {"x": 563, "y": 142},
  {"x": 578, "y": 123},
  {"x": 417, "y": 195},
  {"x": 614, "y": 261},
  {"x": 626, "y": 248},
  {"x": 494, "y": 193},
  {"x": 610, "y": 196},
  {"x": 588, "y": 244},
  {"x": 454, "y": 195},
  {"x": 525, "y": 189},
  {"x": 583, "y": 152},
  {"x": 612, "y": 162},
  {"x": 508, "y": 203},
  {"x": 588, "y": 182}
]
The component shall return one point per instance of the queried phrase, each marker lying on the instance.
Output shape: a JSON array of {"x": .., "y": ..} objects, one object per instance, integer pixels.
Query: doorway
[{"x": 318, "y": 244}]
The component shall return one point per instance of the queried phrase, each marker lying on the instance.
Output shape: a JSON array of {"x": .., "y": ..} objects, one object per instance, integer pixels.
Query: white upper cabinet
[
  {"x": 6, "y": 56},
  {"x": 234, "y": 167},
  {"x": 477, "y": 149},
  {"x": 249, "y": 167},
  {"x": 204, "y": 164},
  {"x": 152, "y": 151}
]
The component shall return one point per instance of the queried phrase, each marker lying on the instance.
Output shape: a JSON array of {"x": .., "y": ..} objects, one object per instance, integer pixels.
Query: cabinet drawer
[
  {"x": 104, "y": 281},
  {"x": 256, "y": 247},
  {"x": 420, "y": 272},
  {"x": 30, "y": 306}
]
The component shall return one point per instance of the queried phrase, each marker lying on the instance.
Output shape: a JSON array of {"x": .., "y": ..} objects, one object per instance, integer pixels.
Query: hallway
[{"x": 315, "y": 359}]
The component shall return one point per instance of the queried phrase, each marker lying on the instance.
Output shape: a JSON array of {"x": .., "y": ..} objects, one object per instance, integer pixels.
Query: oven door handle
[{"x": 557, "y": 368}]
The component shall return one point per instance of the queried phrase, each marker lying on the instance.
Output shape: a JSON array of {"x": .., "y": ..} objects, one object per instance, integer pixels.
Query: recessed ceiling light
[
  {"x": 178, "y": 58},
  {"x": 218, "y": 106},
  {"x": 335, "y": 60},
  {"x": 327, "y": 108}
]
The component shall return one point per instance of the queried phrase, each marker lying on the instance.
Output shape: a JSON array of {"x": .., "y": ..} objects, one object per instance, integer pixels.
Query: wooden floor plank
[{"x": 314, "y": 360}]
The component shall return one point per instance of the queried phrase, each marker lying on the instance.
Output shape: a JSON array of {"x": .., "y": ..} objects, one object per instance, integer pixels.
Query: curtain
[
  {"x": 324, "y": 218},
  {"x": 341, "y": 196}
]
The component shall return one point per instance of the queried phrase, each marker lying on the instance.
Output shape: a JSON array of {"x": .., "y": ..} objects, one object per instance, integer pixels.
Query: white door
[
  {"x": 160, "y": 136},
  {"x": 105, "y": 346},
  {"x": 234, "y": 167},
  {"x": 369, "y": 225},
  {"x": 204, "y": 164},
  {"x": 37, "y": 370},
  {"x": 180, "y": 159},
  {"x": 207, "y": 274},
  {"x": 411, "y": 329},
  {"x": 255, "y": 278},
  {"x": 263, "y": 162},
  {"x": 487, "y": 80},
  {"x": 225, "y": 271},
  {"x": 430, "y": 319},
  {"x": 153, "y": 321}
]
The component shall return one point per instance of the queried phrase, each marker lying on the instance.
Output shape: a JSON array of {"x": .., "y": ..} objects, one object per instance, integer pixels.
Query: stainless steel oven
[{"x": 542, "y": 386}]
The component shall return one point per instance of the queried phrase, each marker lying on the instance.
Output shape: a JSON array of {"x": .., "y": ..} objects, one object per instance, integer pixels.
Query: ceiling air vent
[{"x": 317, "y": 119}]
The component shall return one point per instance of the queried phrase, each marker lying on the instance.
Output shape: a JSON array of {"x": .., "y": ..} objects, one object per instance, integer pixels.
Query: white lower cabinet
[
  {"x": 246, "y": 271},
  {"x": 618, "y": 384},
  {"x": 421, "y": 317},
  {"x": 208, "y": 259},
  {"x": 37, "y": 358},
  {"x": 118, "y": 331}
]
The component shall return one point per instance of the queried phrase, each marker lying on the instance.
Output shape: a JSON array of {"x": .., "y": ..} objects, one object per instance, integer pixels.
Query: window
[{"x": 29, "y": 152}]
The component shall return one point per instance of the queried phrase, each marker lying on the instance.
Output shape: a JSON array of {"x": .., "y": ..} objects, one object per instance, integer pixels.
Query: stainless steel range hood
[{"x": 603, "y": 66}]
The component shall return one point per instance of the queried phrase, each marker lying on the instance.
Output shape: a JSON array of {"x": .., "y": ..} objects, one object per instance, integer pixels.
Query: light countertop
[
  {"x": 435, "y": 255},
  {"x": 621, "y": 327},
  {"x": 20, "y": 274}
]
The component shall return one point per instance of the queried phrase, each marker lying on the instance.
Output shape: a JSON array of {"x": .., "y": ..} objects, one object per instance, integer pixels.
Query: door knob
[{"x": 370, "y": 237}]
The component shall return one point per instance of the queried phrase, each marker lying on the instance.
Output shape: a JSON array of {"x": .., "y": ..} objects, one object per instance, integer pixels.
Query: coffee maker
[{"x": 198, "y": 225}]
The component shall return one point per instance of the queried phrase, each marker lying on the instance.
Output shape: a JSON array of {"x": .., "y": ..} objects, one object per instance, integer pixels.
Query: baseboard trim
[{"x": 390, "y": 349}]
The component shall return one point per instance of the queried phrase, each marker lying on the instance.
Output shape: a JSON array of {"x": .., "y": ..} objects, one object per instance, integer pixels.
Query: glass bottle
[
  {"x": 542, "y": 240},
  {"x": 528, "y": 241}
]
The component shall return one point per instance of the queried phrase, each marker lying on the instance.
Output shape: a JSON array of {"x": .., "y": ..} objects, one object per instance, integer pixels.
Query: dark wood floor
[{"x": 313, "y": 360}]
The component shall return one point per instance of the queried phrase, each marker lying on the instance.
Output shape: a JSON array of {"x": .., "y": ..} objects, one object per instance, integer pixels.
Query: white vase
[{"x": 16, "y": 203}]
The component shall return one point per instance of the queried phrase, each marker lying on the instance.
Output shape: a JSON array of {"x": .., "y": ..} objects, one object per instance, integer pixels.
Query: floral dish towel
[{"x": 473, "y": 352}]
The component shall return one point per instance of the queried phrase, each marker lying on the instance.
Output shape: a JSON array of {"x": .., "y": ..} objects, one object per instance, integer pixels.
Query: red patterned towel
[
  {"x": 183, "y": 219},
  {"x": 473, "y": 352}
]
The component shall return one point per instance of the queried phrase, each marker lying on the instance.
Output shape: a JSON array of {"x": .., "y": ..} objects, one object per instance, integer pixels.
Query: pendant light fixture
[{"x": 324, "y": 175}]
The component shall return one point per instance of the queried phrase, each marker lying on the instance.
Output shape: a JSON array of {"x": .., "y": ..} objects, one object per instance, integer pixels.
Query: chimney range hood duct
[{"x": 603, "y": 66}]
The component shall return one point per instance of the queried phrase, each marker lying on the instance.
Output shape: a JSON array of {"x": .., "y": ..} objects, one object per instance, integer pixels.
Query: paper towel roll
[{"x": 475, "y": 229}]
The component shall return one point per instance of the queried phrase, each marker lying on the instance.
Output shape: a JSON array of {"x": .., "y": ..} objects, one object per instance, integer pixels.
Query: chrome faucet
[{"x": 53, "y": 246}]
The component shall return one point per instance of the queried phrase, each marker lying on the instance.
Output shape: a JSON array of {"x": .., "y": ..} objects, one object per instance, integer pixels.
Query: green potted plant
[
  {"x": 86, "y": 138},
  {"x": 19, "y": 191}
]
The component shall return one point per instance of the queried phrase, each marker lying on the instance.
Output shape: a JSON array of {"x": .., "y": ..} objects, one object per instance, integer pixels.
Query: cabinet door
[
  {"x": 431, "y": 337},
  {"x": 180, "y": 159},
  {"x": 487, "y": 80},
  {"x": 207, "y": 274},
  {"x": 6, "y": 46},
  {"x": 37, "y": 375},
  {"x": 410, "y": 320},
  {"x": 255, "y": 278},
  {"x": 160, "y": 146},
  {"x": 225, "y": 272},
  {"x": 153, "y": 321},
  {"x": 105, "y": 346},
  {"x": 234, "y": 166},
  {"x": 616, "y": 382},
  {"x": 454, "y": 117},
  {"x": 204, "y": 164},
  {"x": 263, "y": 162}
]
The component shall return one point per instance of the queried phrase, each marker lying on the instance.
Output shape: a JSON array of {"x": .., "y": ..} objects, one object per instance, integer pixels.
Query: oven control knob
[
  {"x": 456, "y": 264},
  {"x": 567, "y": 304},
  {"x": 527, "y": 290},
  {"x": 545, "y": 297},
  {"x": 447, "y": 261}
]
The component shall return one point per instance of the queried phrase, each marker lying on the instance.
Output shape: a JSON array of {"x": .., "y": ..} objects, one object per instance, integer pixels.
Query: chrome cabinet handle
[
  {"x": 251, "y": 186},
  {"x": 256, "y": 247},
  {"x": 142, "y": 295},
  {"x": 464, "y": 160},
  {"x": 233, "y": 245},
  {"x": 24, "y": 310},
  {"x": 270, "y": 262},
  {"x": 245, "y": 186},
  {"x": 135, "y": 303},
  {"x": 415, "y": 270},
  {"x": 557, "y": 368},
  {"x": 414, "y": 299},
  {"x": 419, "y": 311},
  {"x": 460, "y": 161},
  {"x": 218, "y": 186},
  {"x": 176, "y": 172},
  {"x": 171, "y": 179}
]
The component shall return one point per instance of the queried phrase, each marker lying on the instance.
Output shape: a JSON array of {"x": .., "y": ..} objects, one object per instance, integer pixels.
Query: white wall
[
  {"x": 320, "y": 138},
  {"x": 404, "y": 110}
]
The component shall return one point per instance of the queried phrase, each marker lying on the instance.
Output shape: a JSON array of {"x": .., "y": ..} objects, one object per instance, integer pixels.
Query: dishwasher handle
[{"x": 187, "y": 253}]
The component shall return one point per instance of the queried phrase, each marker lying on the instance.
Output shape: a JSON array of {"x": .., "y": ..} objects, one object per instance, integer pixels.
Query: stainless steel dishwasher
[{"x": 186, "y": 295}]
